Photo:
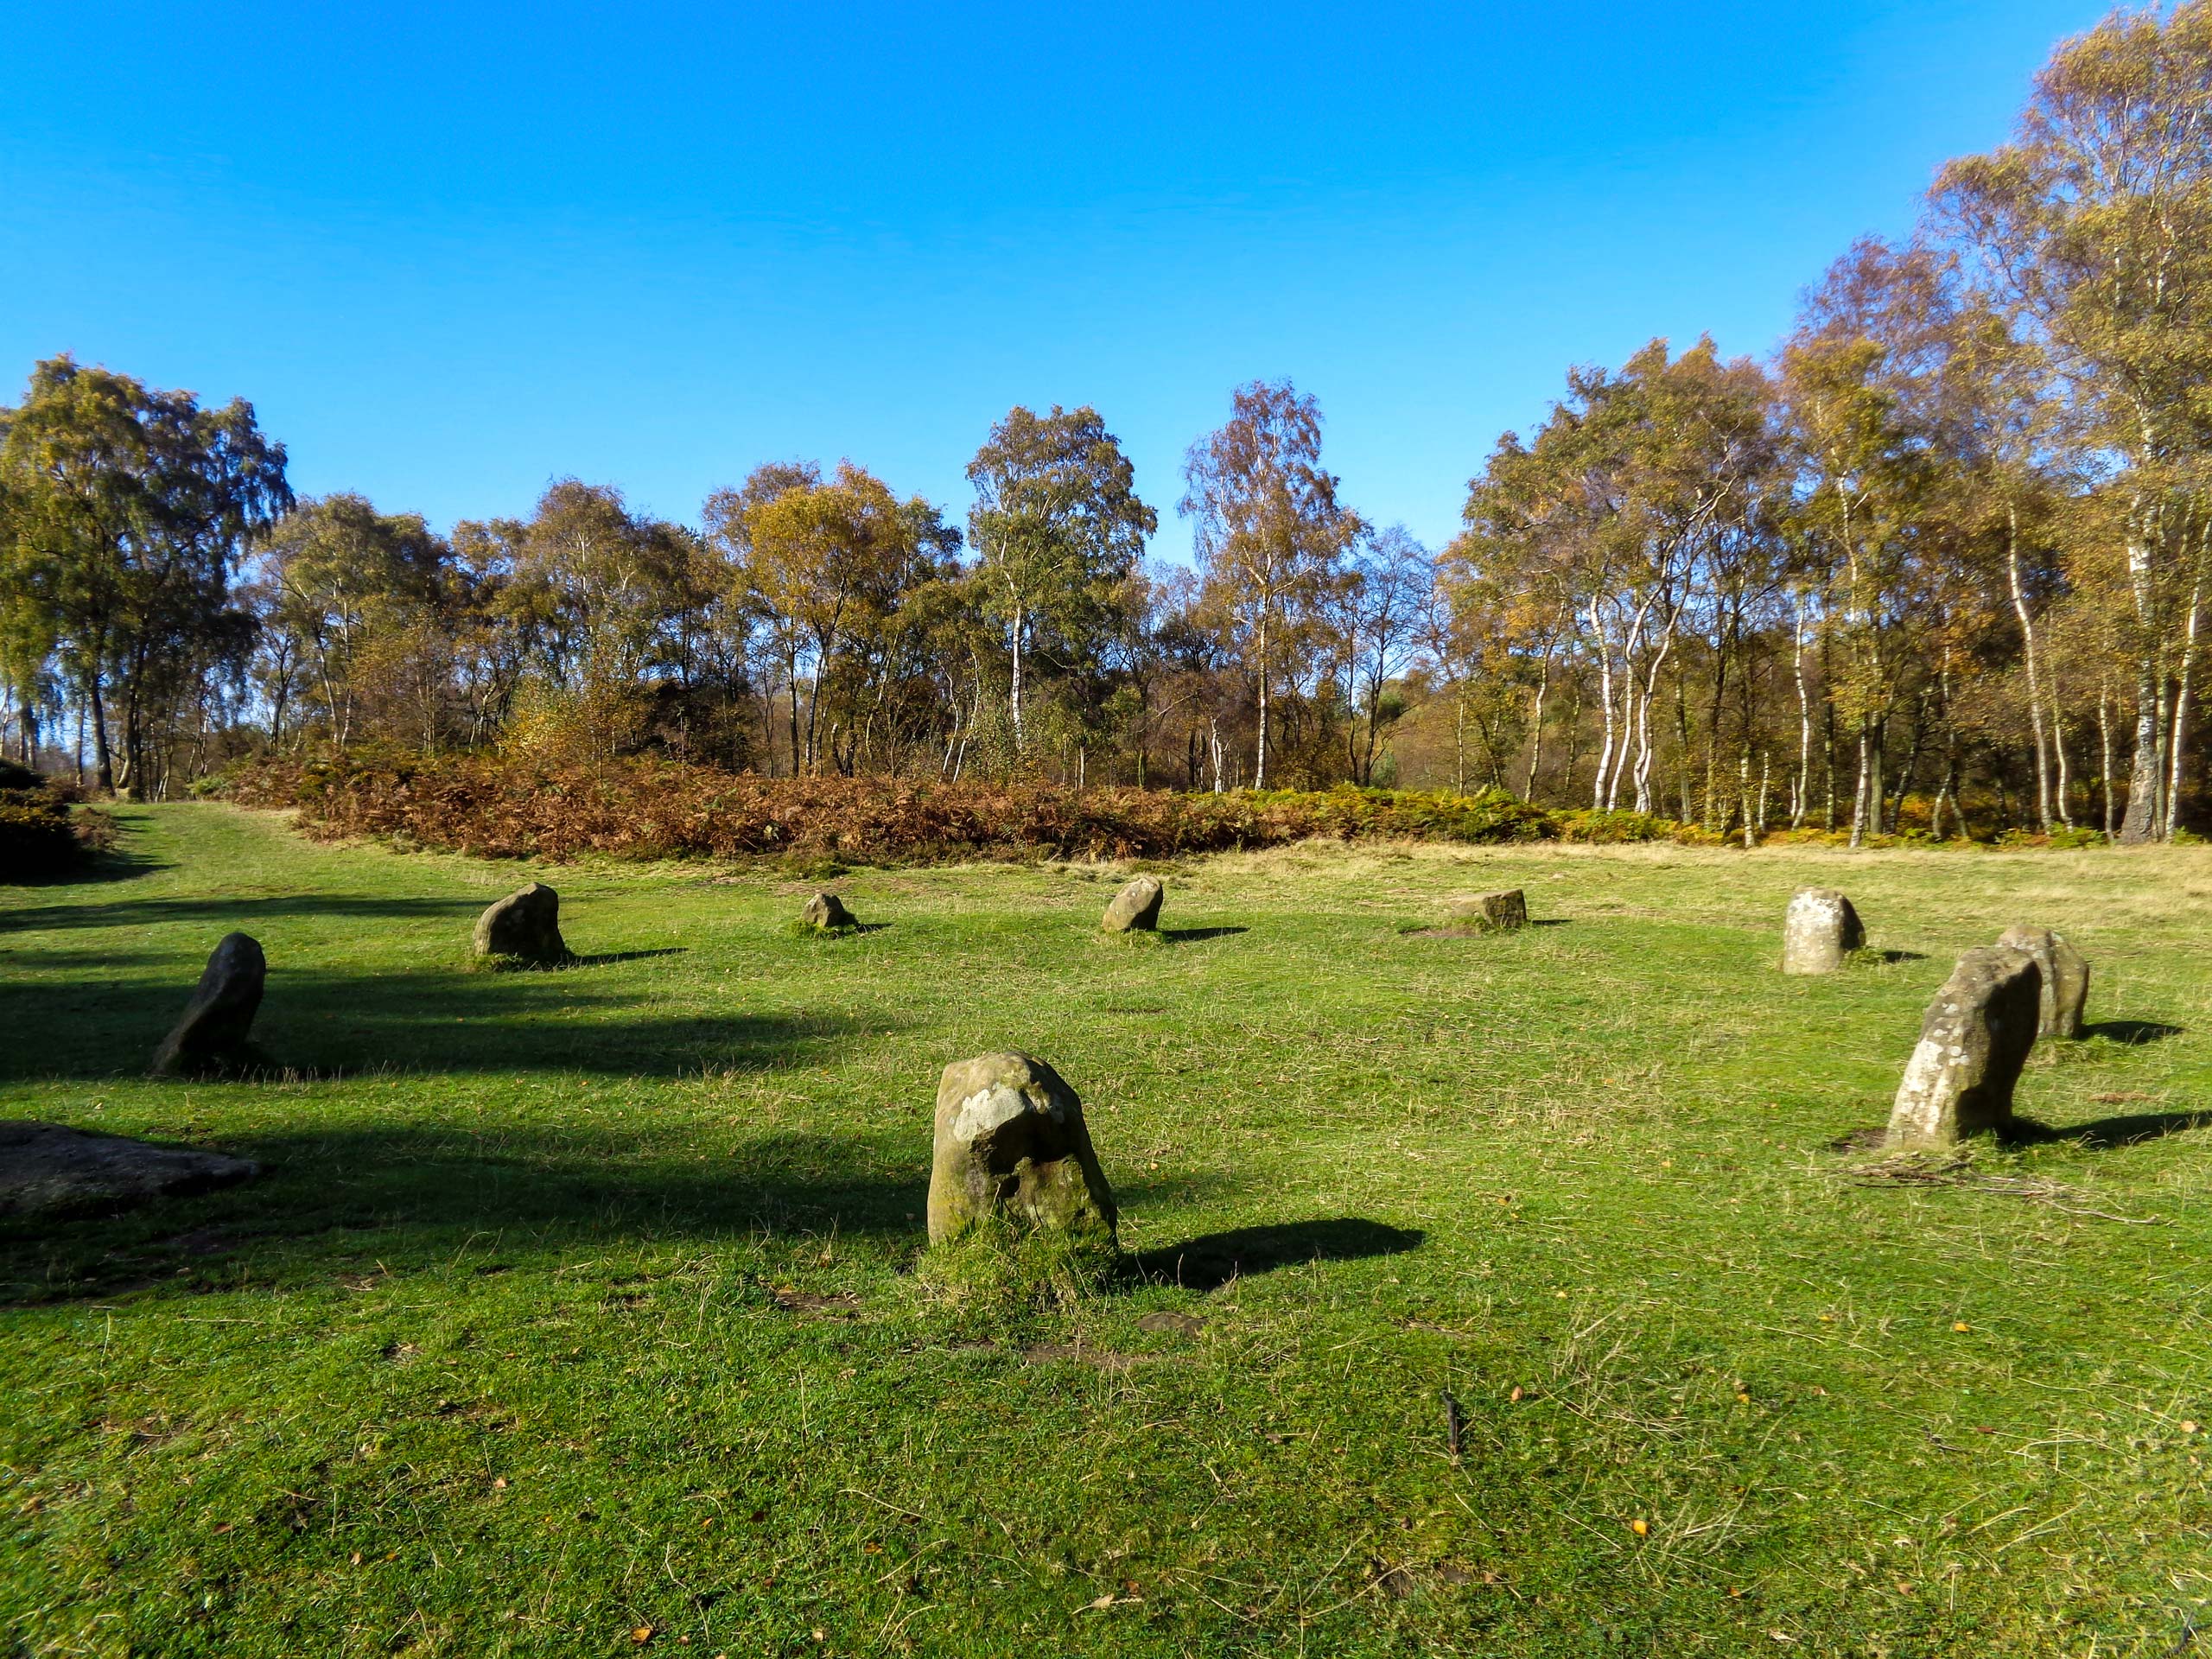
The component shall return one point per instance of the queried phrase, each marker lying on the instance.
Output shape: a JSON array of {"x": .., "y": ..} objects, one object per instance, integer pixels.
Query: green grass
[{"x": 583, "y": 1301}]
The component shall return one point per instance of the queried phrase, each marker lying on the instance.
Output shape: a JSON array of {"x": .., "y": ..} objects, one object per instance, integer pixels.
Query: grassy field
[{"x": 579, "y": 1311}]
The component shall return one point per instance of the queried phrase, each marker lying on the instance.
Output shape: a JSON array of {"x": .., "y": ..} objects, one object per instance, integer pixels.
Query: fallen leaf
[
  {"x": 1960, "y": 1324},
  {"x": 2188, "y": 1427},
  {"x": 642, "y": 1635},
  {"x": 1640, "y": 1526}
]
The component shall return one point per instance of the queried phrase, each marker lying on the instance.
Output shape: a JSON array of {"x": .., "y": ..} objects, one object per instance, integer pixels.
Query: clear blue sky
[{"x": 451, "y": 252}]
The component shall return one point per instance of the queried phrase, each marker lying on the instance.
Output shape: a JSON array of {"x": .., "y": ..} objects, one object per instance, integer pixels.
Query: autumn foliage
[{"x": 645, "y": 808}]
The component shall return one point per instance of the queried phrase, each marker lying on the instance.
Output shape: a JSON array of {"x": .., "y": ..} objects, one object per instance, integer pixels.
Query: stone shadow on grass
[
  {"x": 1194, "y": 935},
  {"x": 222, "y": 916},
  {"x": 1211, "y": 1261},
  {"x": 433, "y": 1020},
  {"x": 372, "y": 1201},
  {"x": 2107, "y": 1132},
  {"x": 2131, "y": 1033}
]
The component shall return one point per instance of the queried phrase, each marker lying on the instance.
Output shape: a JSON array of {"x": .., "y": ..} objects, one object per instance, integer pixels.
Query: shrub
[
  {"x": 37, "y": 840},
  {"x": 520, "y": 807}
]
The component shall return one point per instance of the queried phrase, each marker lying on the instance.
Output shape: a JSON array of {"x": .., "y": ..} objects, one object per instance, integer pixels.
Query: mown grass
[{"x": 584, "y": 1303}]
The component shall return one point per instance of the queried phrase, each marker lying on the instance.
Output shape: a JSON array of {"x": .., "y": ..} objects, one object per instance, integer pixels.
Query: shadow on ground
[
  {"x": 103, "y": 868},
  {"x": 2106, "y": 1133},
  {"x": 1193, "y": 935},
  {"x": 2132, "y": 1032},
  {"x": 398, "y": 1199},
  {"x": 430, "y": 1019},
  {"x": 331, "y": 1204},
  {"x": 223, "y": 916},
  {"x": 1209, "y": 1262}
]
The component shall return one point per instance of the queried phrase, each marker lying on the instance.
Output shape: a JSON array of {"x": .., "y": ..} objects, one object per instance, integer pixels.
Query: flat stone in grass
[
  {"x": 1820, "y": 932},
  {"x": 1011, "y": 1142},
  {"x": 826, "y": 912},
  {"x": 212, "y": 1036},
  {"x": 1975, "y": 1038},
  {"x": 2065, "y": 977},
  {"x": 45, "y": 1169},
  {"x": 525, "y": 925},
  {"x": 1492, "y": 912},
  {"x": 1136, "y": 907}
]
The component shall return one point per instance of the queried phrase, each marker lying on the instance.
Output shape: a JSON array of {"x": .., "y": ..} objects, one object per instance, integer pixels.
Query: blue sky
[{"x": 452, "y": 252}]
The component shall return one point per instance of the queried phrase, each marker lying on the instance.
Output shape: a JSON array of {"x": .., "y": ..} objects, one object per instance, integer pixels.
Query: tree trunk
[
  {"x": 2142, "y": 817},
  {"x": 2028, "y": 646},
  {"x": 2179, "y": 739}
]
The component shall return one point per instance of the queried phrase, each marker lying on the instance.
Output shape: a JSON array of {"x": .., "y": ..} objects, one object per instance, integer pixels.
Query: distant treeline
[{"x": 1938, "y": 566}]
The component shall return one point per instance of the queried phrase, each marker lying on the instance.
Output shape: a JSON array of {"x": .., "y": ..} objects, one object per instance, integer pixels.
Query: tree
[
  {"x": 1270, "y": 532},
  {"x": 2094, "y": 227},
  {"x": 1058, "y": 529},
  {"x": 346, "y": 588},
  {"x": 1392, "y": 576},
  {"x": 131, "y": 509},
  {"x": 829, "y": 563}
]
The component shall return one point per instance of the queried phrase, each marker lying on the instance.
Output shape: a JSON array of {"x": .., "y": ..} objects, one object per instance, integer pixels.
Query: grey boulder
[
  {"x": 1010, "y": 1141},
  {"x": 2065, "y": 977},
  {"x": 1136, "y": 907},
  {"x": 1975, "y": 1038},
  {"x": 213, "y": 1034},
  {"x": 525, "y": 926},
  {"x": 827, "y": 912},
  {"x": 1820, "y": 932},
  {"x": 1493, "y": 913},
  {"x": 45, "y": 1169}
]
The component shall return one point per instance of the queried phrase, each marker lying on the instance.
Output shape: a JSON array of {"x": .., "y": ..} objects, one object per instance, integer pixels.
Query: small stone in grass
[
  {"x": 826, "y": 912},
  {"x": 1820, "y": 932},
  {"x": 524, "y": 927},
  {"x": 1135, "y": 908},
  {"x": 1493, "y": 913}
]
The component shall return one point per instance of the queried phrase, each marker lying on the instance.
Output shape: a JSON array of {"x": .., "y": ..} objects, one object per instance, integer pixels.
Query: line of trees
[{"x": 1940, "y": 565}]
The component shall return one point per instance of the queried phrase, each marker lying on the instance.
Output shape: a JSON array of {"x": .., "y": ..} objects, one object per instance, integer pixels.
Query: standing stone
[
  {"x": 1820, "y": 930},
  {"x": 2065, "y": 977},
  {"x": 526, "y": 925},
  {"x": 826, "y": 912},
  {"x": 1136, "y": 906},
  {"x": 212, "y": 1037},
  {"x": 1974, "y": 1041},
  {"x": 1493, "y": 913},
  {"x": 1011, "y": 1141}
]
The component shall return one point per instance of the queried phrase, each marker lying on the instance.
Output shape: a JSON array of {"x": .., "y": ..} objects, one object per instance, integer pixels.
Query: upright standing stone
[
  {"x": 212, "y": 1036},
  {"x": 1011, "y": 1141},
  {"x": 1493, "y": 913},
  {"x": 2065, "y": 977},
  {"x": 1820, "y": 930},
  {"x": 526, "y": 925},
  {"x": 1976, "y": 1036},
  {"x": 826, "y": 912},
  {"x": 1136, "y": 906}
]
